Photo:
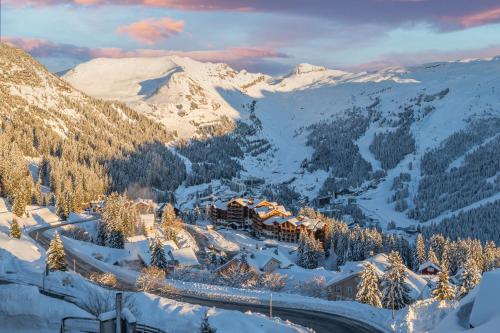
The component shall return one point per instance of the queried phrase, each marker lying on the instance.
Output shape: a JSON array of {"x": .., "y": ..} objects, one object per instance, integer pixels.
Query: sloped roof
[
  {"x": 185, "y": 257},
  {"x": 380, "y": 263},
  {"x": 427, "y": 264}
]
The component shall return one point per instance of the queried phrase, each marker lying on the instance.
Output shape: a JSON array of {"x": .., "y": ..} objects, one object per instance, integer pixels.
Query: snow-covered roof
[
  {"x": 241, "y": 201},
  {"x": 185, "y": 257},
  {"x": 139, "y": 246},
  {"x": 427, "y": 264},
  {"x": 380, "y": 263},
  {"x": 219, "y": 204},
  {"x": 263, "y": 256},
  {"x": 487, "y": 301},
  {"x": 148, "y": 219}
]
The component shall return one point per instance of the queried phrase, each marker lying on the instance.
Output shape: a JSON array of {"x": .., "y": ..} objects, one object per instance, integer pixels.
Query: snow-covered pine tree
[
  {"x": 169, "y": 217},
  {"x": 302, "y": 249},
  {"x": 431, "y": 256},
  {"x": 116, "y": 239},
  {"x": 56, "y": 257},
  {"x": 471, "y": 276},
  {"x": 102, "y": 233},
  {"x": 37, "y": 192},
  {"x": 444, "y": 291},
  {"x": 170, "y": 233},
  {"x": 15, "y": 232},
  {"x": 476, "y": 253},
  {"x": 395, "y": 291},
  {"x": 489, "y": 256},
  {"x": 112, "y": 218},
  {"x": 419, "y": 252},
  {"x": 205, "y": 325},
  {"x": 158, "y": 258},
  {"x": 368, "y": 287}
]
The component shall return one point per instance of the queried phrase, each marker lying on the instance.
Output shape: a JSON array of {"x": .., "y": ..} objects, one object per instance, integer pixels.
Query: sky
[{"x": 269, "y": 36}]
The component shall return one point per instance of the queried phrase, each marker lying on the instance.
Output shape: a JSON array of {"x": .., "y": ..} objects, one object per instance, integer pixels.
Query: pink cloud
[
  {"x": 477, "y": 19},
  {"x": 428, "y": 56},
  {"x": 150, "y": 31},
  {"x": 235, "y": 56},
  {"x": 445, "y": 14}
]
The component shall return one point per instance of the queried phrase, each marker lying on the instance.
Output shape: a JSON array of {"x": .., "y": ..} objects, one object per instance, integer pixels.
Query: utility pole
[
  {"x": 271, "y": 306},
  {"x": 118, "y": 313},
  {"x": 74, "y": 265}
]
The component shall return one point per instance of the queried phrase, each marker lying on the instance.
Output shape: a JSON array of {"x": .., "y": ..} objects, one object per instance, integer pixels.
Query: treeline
[
  {"x": 482, "y": 223},
  {"x": 475, "y": 179},
  {"x": 86, "y": 147},
  {"x": 336, "y": 152}
]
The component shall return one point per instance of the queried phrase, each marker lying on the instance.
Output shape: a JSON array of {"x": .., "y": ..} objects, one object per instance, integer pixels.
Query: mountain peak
[{"x": 305, "y": 68}]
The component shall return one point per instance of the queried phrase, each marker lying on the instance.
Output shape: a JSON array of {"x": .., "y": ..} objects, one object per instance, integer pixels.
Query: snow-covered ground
[{"x": 185, "y": 94}]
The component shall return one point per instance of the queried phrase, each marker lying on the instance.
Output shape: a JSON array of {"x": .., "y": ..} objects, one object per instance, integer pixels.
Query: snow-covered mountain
[{"x": 373, "y": 136}]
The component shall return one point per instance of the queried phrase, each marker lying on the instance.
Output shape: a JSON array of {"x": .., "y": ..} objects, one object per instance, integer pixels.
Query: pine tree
[
  {"x": 15, "y": 232},
  {"x": 19, "y": 204},
  {"x": 158, "y": 258},
  {"x": 112, "y": 217},
  {"x": 471, "y": 276},
  {"x": 419, "y": 252},
  {"x": 396, "y": 293},
  {"x": 444, "y": 290},
  {"x": 431, "y": 256},
  {"x": 37, "y": 193},
  {"x": 169, "y": 233},
  {"x": 301, "y": 249},
  {"x": 489, "y": 256},
  {"x": 116, "y": 239},
  {"x": 56, "y": 255},
  {"x": 205, "y": 325},
  {"x": 102, "y": 234},
  {"x": 368, "y": 287}
]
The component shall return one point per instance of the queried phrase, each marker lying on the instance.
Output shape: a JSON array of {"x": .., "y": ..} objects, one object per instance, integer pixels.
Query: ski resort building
[
  {"x": 266, "y": 219},
  {"x": 429, "y": 268},
  {"x": 344, "y": 286}
]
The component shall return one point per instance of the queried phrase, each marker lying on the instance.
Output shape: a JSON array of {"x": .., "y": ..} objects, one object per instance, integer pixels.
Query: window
[
  {"x": 338, "y": 289},
  {"x": 349, "y": 290}
]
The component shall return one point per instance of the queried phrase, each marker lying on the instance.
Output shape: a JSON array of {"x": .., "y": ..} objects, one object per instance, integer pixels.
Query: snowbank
[{"x": 24, "y": 309}]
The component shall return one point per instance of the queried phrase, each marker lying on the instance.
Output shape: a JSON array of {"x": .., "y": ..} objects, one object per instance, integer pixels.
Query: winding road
[{"x": 321, "y": 322}]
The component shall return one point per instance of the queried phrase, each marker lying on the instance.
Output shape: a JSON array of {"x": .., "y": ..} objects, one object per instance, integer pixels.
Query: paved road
[{"x": 321, "y": 322}]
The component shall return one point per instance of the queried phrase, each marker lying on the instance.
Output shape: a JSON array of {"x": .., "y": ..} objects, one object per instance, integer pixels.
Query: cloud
[
  {"x": 427, "y": 56},
  {"x": 445, "y": 14},
  {"x": 477, "y": 19},
  {"x": 150, "y": 31},
  {"x": 235, "y": 56}
]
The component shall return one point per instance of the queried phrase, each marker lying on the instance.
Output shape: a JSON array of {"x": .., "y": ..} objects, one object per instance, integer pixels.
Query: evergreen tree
[
  {"x": 205, "y": 325},
  {"x": 102, "y": 234},
  {"x": 471, "y": 276},
  {"x": 56, "y": 255},
  {"x": 112, "y": 217},
  {"x": 116, "y": 239},
  {"x": 489, "y": 256},
  {"x": 170, "y": 233},
  {"x": 396, "y": 293},
  {"x": 19, "y": 204},
  {"x": 368, "y": 287},
  {"x": 444, "y": 291},
  {"x": 15, "y": 232},
  {"x": 158, "y": 258},
  {"x": 37, "y": 193},
  {"x": 431, "y": 256},
  {"x": 302, "y": 249},
  {"x": 419, "y": 252}
]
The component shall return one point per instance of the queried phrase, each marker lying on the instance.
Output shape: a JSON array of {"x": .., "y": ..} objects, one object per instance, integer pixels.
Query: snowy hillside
[{"x": 324, "y": 131}]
